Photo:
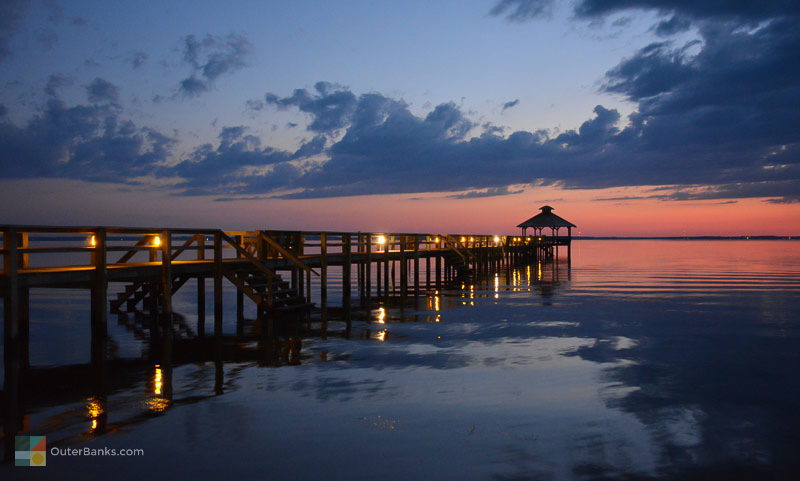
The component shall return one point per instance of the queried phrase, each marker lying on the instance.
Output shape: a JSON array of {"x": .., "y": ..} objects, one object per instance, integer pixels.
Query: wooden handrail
[
  {"x": 259, "y": 265},
  {"x": 183, "y": 247},
  {"x": 288, "y": 255},
  {"x": 454, "y": 248},
  {"x": 128, "y": 255}
]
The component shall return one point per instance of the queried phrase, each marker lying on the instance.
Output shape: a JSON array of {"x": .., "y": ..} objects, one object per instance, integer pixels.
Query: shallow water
[{"x": 646, "y": 359}]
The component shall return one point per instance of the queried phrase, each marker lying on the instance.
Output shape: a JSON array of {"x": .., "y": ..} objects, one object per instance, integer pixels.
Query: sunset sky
[{"x": 629, "y": 117}]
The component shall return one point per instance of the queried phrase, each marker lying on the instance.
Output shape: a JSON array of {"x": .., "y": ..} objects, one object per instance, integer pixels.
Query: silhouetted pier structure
[{"x": 287, "y": 275}]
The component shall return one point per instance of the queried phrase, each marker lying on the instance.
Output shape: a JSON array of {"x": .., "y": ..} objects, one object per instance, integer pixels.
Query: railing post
[
  {"x": 201, "y": 288},
  {"x": 427, "y": 262},
  {"x": 386, "y": 267},
  {"x": 11, "y": 319},
  {"x": 346, "y": 269},
  {"x": 403, "y": 267},
  {"x": 323, "y": 280},
  {"x": 439, "y": 255},
  {"x": 218, "y": 283},
  {"x": 166, "y": 276},
  {"x": 11, "y": 361},
  {"x": 368, "y": 272},
  {"x": 99, "y": 297},
  {"x": 416, "y": 265},
  {"x": 239, "y": 294}
]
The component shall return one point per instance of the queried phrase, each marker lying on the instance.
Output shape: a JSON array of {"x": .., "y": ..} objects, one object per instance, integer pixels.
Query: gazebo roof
[{"x": 546, "y": 218}]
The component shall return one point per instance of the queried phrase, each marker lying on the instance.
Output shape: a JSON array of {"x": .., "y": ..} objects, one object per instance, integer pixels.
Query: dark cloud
[
  {"x": 87, "y": 142},
  {"x": 698, "y": 9},
  {"x": 102, "y": 91},
  {"x": 331, "y": 106},
  {"x": 11, "y": 12},
  {"x": 510, "y": 104},
  {"x": 239, "y": 165},
  {"x": 490, "y": 192},
  {"x": 671, "y": 26},
  {"x": 210, "y": 58}
]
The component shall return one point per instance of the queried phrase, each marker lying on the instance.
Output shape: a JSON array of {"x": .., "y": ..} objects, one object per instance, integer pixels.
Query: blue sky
[
  {"x": 425, "y": 53},
  {"x": 258, "y": 103}
]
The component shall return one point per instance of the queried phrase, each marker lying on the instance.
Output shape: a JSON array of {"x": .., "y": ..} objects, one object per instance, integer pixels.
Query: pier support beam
[
  {"x": 201, "y": 288},
  {"x": 403, "y": 267},
  {"x": 323, "y": 282},
  {"x": 346, "y": 280},
  {"x": 218, "y": 283},
  {"x": 11, "y": 350},
  {"x": 99, "y": 299}
]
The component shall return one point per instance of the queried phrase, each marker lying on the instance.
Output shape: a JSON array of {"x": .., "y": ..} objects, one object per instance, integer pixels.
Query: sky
[{"x": 630, "y": 117}]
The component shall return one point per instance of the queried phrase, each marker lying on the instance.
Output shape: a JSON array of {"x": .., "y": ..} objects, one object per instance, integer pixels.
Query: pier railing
[{"x": 47, "y": 248}]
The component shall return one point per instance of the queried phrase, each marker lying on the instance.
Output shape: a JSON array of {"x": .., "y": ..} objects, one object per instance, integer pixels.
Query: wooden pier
[
  {"x": 273, "y": 269},
  {"x": 134, "y": 273}
]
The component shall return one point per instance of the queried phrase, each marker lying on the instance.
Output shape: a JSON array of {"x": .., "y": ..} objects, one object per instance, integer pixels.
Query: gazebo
[{"x": 546, "y": 219}]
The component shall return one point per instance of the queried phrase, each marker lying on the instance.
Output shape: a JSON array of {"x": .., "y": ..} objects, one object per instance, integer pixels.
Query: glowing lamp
[
  {"x": 496, "y": 239},
  {"x": 92, "y": 241},
  {"x": 381, "y": 240},
  {"x": 157, "y": 241}
]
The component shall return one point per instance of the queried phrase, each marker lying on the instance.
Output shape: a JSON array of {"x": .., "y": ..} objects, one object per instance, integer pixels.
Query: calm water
[{"x": 645, "y": 360}]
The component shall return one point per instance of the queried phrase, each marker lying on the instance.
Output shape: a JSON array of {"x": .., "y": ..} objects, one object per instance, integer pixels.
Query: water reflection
[{"x": 622, "y": 367}]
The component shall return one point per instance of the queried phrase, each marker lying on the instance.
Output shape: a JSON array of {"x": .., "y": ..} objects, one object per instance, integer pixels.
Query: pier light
[
  {"x": 94, "y": 409},
  {"x": 158, "y": 382},
  {"x": 472, "y": 239},
  {"x": 496, "y": 239},
  {"x": 93, "y": 240},
  {"x": 463, "y": 239},
  {"x": 436, "y": 240},
  {"x": 157, "y": 241},
  {"x": 381, "y": 240}
]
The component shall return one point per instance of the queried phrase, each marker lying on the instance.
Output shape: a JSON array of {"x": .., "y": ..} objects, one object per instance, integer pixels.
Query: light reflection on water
[{"x": 646, "y": 359}]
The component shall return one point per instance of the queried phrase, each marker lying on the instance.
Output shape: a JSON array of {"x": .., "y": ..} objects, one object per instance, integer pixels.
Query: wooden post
[
  {"x": 24, "y": 306},
  {"x": 378, "y": 283},
  {"x": 218, "y": 283},
  {"x": 201, "y": 288},
  {"x": 11, "y": 361},
  {"x": 323, "y": 281},
  {"x": 166, "y": 276},
  {"x": 416, "y": 265},
  {"x": 403, "y": 267},
  {"x": 368, "y": 280},
  {"x": 99, "y": 299},
  {"x": 239, "y": 294},
  {"x": 360, "y": 269},
  {"x": 427, "y": 263},
  {"x": 346, "y": 275},
  {"x": 439, "y": 269},
  {"x": 11, "y": 307},
  {"x": 569, "y": 245},
  {"x": 386, "y": 267}
]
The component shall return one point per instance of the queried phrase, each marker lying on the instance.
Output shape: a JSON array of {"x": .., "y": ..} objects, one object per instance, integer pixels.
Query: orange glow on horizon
[{"x": 420, "y": 213}]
